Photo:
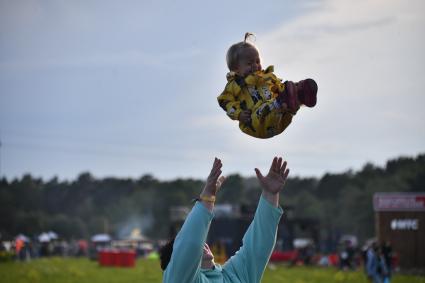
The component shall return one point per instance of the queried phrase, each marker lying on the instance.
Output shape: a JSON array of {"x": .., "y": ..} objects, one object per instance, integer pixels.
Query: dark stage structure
[{"x": 400, "y": 220}]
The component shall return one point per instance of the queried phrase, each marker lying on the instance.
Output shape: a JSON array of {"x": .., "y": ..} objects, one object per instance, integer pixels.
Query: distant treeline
[{"x": 341, "y": 202}]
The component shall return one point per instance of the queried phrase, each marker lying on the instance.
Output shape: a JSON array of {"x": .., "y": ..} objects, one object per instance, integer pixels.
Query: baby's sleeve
[{"x": 228, "y": 100}]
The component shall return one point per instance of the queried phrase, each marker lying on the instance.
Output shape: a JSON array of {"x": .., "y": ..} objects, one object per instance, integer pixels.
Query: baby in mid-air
[{"x": 263, "y": 105}]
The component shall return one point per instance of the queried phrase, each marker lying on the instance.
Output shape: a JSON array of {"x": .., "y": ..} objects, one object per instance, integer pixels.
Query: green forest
[{"x": 80, "y": 208}]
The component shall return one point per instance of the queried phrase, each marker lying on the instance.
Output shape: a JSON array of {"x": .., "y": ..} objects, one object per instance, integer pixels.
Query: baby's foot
[{"x": 307, "y": 92}]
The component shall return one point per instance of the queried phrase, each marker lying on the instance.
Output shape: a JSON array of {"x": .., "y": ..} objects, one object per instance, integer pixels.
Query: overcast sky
[{"x": 125, "y": 88}]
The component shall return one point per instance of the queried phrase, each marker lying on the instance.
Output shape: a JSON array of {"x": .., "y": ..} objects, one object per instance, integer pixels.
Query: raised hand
[
  {"x": 273, "y": 182},
  {"x": 214, "y": 180}
]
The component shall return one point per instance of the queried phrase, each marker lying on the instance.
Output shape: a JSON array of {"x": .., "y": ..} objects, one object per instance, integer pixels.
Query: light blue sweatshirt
[{"x": 246, "y": 266}]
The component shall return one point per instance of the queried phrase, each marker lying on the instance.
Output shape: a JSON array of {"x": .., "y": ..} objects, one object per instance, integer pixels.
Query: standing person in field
[
  {"x": 257, "y": 98},
  {"x": 373, "y": 264},
  {"x": 188, "y": 258}
]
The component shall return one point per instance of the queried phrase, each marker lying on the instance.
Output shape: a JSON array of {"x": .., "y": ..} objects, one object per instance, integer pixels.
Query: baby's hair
[
  {"x": 249, "y": 35},
  {"x": 235, "y": 51}
]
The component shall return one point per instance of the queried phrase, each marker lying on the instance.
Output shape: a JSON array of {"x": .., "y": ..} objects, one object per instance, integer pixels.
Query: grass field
[{"x": 85, "y": 271}]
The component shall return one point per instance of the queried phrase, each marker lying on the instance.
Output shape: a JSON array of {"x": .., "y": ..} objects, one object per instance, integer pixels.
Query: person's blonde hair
[{"x": 234, "y": 53}]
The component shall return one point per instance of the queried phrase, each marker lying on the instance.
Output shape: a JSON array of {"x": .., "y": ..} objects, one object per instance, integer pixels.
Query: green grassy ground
[{"x": 85, "y": 271}]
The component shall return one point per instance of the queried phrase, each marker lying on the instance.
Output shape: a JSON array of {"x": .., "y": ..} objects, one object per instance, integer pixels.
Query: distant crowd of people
[
  {"x": 22, "y": 249},
  {"x": 377, "y": 260}
]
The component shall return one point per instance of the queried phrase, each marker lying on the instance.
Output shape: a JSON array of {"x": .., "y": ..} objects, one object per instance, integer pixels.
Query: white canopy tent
[
  {"x": 22, "y": 237},
  {"x": 101, "y": 238}
]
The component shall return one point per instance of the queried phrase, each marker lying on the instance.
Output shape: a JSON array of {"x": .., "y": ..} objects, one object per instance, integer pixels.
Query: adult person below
[
  {"x": 373, "y": 264},
  {"x": 188, "y": 258}
]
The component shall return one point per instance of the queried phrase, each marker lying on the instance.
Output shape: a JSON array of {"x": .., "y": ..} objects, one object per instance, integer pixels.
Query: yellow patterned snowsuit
[{"x": 256, "y": 92}]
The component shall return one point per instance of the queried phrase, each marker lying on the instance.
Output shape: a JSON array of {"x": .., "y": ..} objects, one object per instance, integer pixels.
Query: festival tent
[
  {"x": 22, "y": 237},
  {"x": 44, "y": 238},
  {"x": 47, "y": 237},
  {"x": 101, "y": 238},
  {"x": 52, "y": 235},
  {"x": 300, "y": 243}
]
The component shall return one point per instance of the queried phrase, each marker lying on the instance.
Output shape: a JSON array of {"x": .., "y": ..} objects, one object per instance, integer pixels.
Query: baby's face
[{"x": 249, "y": 62}]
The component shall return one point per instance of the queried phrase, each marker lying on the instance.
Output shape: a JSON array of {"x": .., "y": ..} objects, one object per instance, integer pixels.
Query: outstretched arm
[
  {"x": 186, "y": 257},
  {"x": 257, "y": 245}
]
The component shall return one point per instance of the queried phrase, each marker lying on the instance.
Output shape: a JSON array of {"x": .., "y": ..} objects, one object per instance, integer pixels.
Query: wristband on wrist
[{"x": 208, "y": 199}]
